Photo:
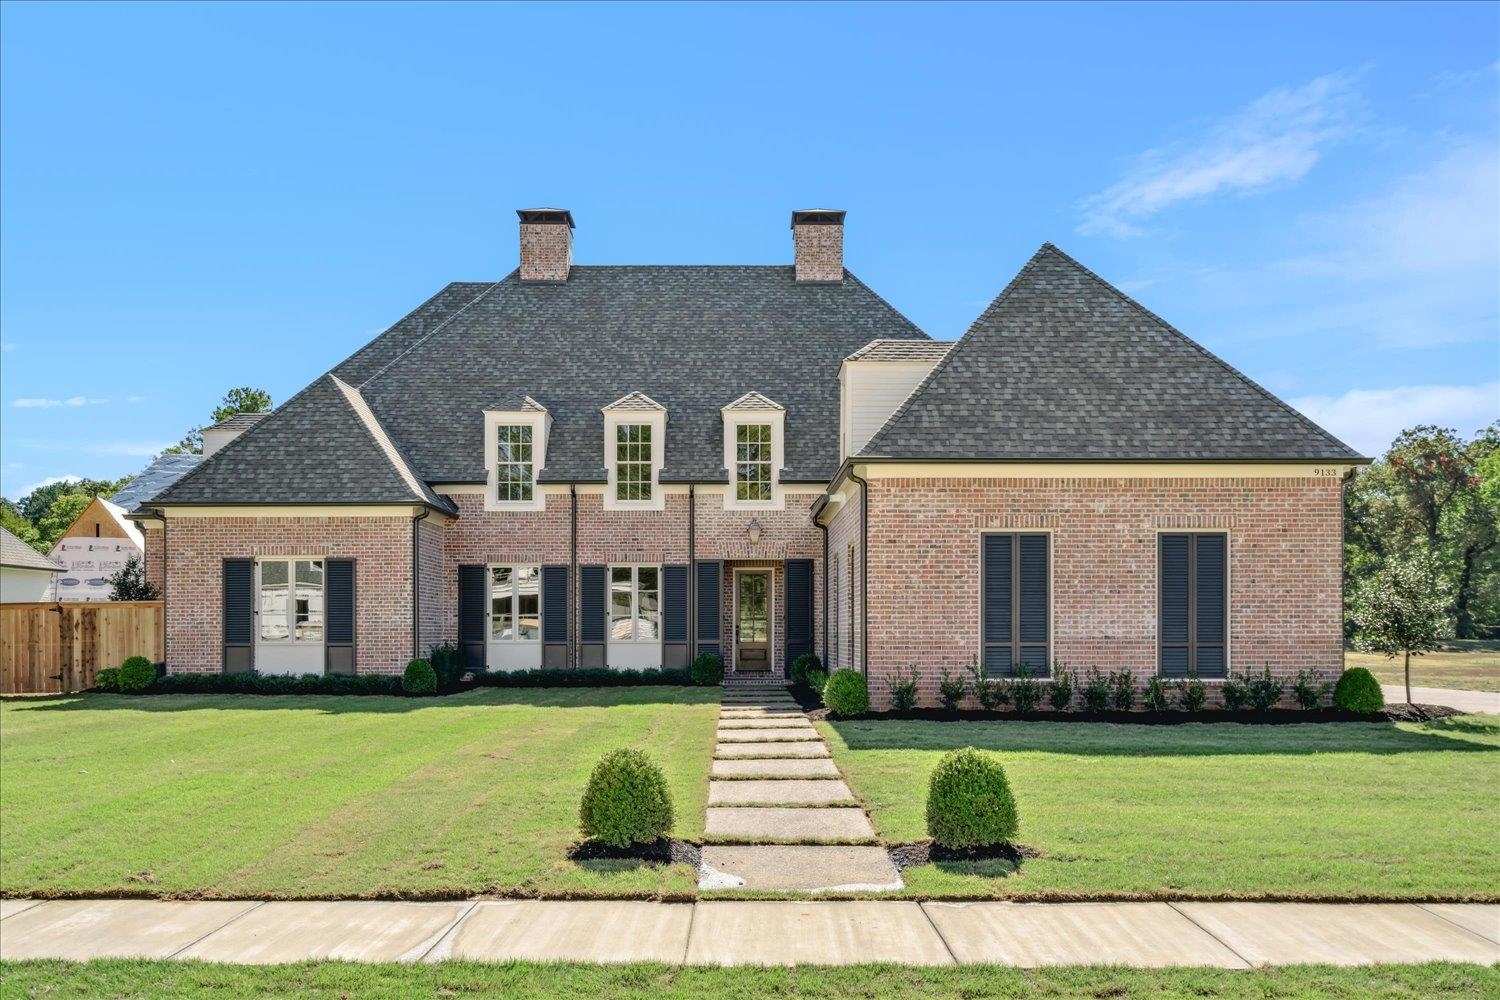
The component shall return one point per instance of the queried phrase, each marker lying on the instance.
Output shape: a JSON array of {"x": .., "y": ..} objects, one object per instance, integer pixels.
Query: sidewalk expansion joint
[
  {"x": 1227, "y": 946},
  {"x": 204, "y": 937}
]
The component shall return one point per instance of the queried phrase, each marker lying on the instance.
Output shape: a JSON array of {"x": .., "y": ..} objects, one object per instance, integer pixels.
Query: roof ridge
[
  {"x": 430, "y": 333},
  {"x": 382, "y": 438},
  {"x": 1205, "y": 352},
  {"x": 952, "y": 352}
]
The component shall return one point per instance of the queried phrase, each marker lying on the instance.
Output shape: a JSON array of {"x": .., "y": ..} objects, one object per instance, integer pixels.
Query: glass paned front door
[{"x": 753, "y": 622}]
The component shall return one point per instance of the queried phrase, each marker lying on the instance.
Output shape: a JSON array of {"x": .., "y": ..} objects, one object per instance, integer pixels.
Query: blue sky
[{"x": 193, "y": 198}]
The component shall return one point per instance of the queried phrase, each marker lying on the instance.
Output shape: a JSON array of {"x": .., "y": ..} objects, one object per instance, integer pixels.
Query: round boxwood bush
[
  {"x": 969, "y": 803},
  {"x": 708, "y": 670},
  {"x": 626, "y": 801},
  {"x": 107, "y": 679},
  {"x": 802, "y": 667},
  {"x": 137, "y": 674},
  {"x": 419, "y": 678},
  {"x": 846, "y": 693},
  {"x": 817, "y": 679},
  {"x": 1358, "y": 691}
]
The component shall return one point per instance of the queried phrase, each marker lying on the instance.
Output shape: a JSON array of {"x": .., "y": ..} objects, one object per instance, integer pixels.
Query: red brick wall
[
  {"x": 844, "y": 541},
  {"x": 151, "y": 557},
  {"x": 546, "y": 251},
  {"x": 1285, "y": 586},
  {"x": 197, "y": 548},
  {"x": 818, "y": 251},
  {"x": 432, "y": 606}
]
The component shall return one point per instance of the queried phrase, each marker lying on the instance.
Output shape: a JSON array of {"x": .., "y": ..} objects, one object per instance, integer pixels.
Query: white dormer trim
[
  {"x": 531, "y": 414},
  {"x": 754, "y": 408},
  {"x": 635, "y": 408}
]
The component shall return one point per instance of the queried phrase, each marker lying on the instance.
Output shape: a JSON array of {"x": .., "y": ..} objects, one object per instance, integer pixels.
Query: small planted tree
[
  {"x": 1402, "y": 610},
  {"x": 130, "y": 583}
]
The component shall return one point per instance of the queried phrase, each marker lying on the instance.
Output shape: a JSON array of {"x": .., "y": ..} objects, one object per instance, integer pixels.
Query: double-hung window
[
  {"x": 515, "y": 603},
  {"x": 1192, "y": 604},
  {"x": 633, "y": 462},
  {"x": 291, "y": 600},
  {"x": 515, "y": 469},
  {"x": 634, "y": 603},
  {"x": 1016, "y": 614},
  {"x": 753, "y": 461}
]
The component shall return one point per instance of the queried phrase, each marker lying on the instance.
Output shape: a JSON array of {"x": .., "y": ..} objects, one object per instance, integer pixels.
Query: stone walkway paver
[
  {"x": 780, "y": 816},
  {"x": 735, "y": 932},
  {"x": 1473, "y": 702}
]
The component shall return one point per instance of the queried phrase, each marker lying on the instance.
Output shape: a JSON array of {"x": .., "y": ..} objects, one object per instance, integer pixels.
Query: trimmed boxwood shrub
[
  {"x": 278, "y": 684},
  {"x": 802, "y": 667},
  {"x": 846, "y": 693},
  {"x": 108, "y": 679},
  {"x": 419, "y": 678},
  {"x": 1358, "y": 691},
  {"x": 137, "y": 674},
  {"x": 817, "y": 678},
  {"x": 447, "y": 664},
  {"x": 969, "y": 802},
  {"x": 708, "y": 670},
  {"x": 626, "y": 801}
]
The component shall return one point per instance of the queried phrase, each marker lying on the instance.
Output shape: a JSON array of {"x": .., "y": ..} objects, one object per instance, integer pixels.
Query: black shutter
[
  {"x": 473, "y": 584},
  {"x": 998, "y": 572},
  {"x": 1031, "y": 605},
  {"x": 799, "y": 609},
  {"x": 1209, "y": 578},
  {"x": 710, "y": 573},
  {"x": 338, "y": 615},
  {"x": 593, "y": 615},
  {"x": 555, "y": 617},
  {"x": 674, "y": 617},
  {"x": 239, "y": 615}
]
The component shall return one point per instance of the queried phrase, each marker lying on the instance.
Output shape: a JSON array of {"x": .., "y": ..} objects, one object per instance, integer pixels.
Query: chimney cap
[
  {"x": 556, "y": 216},
  {"x": 818, "y": 217}
]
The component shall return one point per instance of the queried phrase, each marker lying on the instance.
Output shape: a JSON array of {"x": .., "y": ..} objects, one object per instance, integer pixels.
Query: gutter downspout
[
  {"x": 864, "y": 572},
  {"x": 576, "y": 584},
  {"x": 165, "y": 632},
  {"x": 818, "y": 523},
  {"x": 692, "y": 594},
  {"x": 416, "y": 584}
]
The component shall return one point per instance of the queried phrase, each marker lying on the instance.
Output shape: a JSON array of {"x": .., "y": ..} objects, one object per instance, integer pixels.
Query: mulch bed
[
  {"x": 905, "y": 856},
  {"x": 813, "y": 706},
  {"x": 668, "y": 850}
]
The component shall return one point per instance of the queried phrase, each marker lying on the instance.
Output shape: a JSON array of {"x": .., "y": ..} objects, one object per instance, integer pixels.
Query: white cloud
[
  {"x": 47, "y": 482},
  {"x": 7, "y": 346},
  {"x": 1276, "y": 139},
  {"x": 1369, "y": 419},
  {"x": 36, "y": 402}
]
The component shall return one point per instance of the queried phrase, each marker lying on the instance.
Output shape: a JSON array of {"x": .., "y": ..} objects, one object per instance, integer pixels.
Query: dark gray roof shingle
[
  {"x": 1062, "y": 366},
  {"x": 238, "y": 422}
]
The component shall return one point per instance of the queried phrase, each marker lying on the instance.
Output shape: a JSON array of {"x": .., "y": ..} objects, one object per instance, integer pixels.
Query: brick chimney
[
  {"x": 546, "y": 243},
  {"x": 818, "y": 242}
]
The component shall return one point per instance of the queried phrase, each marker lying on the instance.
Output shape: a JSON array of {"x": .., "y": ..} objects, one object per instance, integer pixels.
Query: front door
[{"x": 752, "y": 627}]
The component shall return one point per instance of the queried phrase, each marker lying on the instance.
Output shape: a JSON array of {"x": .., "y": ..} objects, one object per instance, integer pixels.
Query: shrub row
[{"x": 272, "y": 684}]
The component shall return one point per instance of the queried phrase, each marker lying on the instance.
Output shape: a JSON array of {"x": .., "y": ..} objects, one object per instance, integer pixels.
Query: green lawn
[
  {"x": 525, "y": 981},
  {"x": 1317, "y": 810},
  {"x": 1466, "y": 664},
  {"x": 323, "y": 796}
]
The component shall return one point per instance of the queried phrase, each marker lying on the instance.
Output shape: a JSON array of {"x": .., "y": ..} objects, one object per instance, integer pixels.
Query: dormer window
[
  {"x": 754, "y": 448},
  {"x": 635, "y": 428},
  {"x": 515, "y": 446}
]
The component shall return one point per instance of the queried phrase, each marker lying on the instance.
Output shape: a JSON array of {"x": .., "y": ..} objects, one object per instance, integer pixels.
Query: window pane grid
[
  {"x": 514, "y": 468},
  {"x": 633, "y": 462},
  {"x": 752, "y": 456}
]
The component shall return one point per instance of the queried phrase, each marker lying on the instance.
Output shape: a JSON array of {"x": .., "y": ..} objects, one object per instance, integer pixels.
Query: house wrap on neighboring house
[{"x": 623, "y": 466}]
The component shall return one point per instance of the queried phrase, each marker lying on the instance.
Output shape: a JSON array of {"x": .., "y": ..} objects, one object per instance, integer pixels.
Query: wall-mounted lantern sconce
[{"x": 753, "y": 532}]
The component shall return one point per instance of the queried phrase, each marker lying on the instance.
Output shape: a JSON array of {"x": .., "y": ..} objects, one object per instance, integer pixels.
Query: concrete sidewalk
[
  {"x": 1472, "y": 702},
  {"x": 724, "y": 932}
]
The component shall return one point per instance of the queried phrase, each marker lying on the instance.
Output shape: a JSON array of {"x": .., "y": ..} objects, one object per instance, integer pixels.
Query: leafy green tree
[
  {"x": 60, "y": 515},
  {"x": 130, "y": 583},
  {"x": 15, "y": 522},
  {"x": 1403, "y": 608},
  {"x": 242, "y": 399}
]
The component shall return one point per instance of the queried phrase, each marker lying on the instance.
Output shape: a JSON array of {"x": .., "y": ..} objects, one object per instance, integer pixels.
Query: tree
[
  {"x": 46, "y": 512},
  {"x": 15, "y": 522},
  {"x": 242, "y": 399},
  {"x": 61, "y": 514},
  {"x": 1403, "y": 608},
  {"x": 130, "y": 583}
]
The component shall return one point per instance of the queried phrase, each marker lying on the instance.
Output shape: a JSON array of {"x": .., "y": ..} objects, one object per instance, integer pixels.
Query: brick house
[{"x": 622, "y": 466}]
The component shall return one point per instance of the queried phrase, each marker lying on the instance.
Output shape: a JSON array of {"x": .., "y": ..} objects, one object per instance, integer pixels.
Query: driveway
[{"x": 1487, "y": 702}]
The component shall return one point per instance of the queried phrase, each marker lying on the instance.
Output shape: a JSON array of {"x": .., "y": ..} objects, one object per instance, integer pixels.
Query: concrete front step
[
  {"x": 765, "y": 723},
  {"x": 817, "y": 767},
  {"x": 789, "y": 826},
  {"x": 785, "y": 714},
  {"x": 767, "y": 735},
  {"x": 785, "y": 749},
  {"x": 798, "y": 868},
  {"x": 793, "y": 792}
]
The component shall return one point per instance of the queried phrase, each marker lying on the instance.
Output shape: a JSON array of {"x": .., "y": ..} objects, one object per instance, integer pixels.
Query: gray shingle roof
[
  {"x": 238, "y": 422},
  {"x": 323, "y": 446},
  {"x": 902, "y": 350},
  {"x": 163, "y": 471},
  {"x": 18, "y": 555},
  {"x": 1063, "y": 366}
]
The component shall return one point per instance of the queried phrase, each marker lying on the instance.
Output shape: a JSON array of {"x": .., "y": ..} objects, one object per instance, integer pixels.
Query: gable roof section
[
  {"x": 16, "y": 554},
  {"x": 902, "y": 350},
  {"x": 238, "y": 422},
  {"x": 754, "y": 401},
  {"x": 636, "y": 401},
  {"x": 1062, "y": 366},
  {"x": 323, "y": 446},
  {"x": 687, "y": 337},
  {"x": 163, "y": 471}
]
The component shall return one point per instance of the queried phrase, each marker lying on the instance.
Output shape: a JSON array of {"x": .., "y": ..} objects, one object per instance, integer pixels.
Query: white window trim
[
  {"x": 635, "y": 603},
  {"x": 734, "y": 418},
  {"x": 291, "y": 636},
  {"x": 657, "y": 421},
  {"x": 540, "y": 422},
  {"x": 515, "y": 605}
]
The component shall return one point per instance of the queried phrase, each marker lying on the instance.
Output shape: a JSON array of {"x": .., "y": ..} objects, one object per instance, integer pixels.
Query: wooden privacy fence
[{"x": 51, "y": 648}]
